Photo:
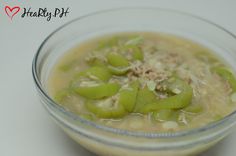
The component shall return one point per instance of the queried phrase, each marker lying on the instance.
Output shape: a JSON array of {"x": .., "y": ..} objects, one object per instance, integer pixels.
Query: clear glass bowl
[{"x": 115, "y": 142}]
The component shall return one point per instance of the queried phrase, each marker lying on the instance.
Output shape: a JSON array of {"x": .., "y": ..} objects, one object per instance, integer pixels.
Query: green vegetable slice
[
  {"x": 115, "y": 108},
  {"x": 106, "y": 108},
  {"x": 227, "y": 75},
  {"x": 136, "y": 51},
  {"x": 96, "y": 72},
  {"x": 117, "y": 60},
  {"x": 144, "y": 97},
  {"x": 117, "y": 70},
  {"x": 127, "y": 97},
  {"x": 113, "y": 70},
  {"x": 178, "y": 101},
  {"x": 98, "y": 91},
  {"x": 137, "y": 54}
]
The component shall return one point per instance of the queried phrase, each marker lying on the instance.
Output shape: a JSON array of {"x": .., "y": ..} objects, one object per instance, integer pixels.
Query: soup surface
[{"x": 144, "y": 81}]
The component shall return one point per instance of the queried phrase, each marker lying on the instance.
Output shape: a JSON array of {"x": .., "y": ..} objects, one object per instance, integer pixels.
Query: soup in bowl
[{"x": 139, "y": 82}]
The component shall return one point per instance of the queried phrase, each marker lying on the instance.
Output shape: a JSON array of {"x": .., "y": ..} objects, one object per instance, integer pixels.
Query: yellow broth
[{"x": 164, "y": 56}]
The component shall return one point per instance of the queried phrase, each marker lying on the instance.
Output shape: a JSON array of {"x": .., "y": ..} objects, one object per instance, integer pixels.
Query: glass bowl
[{"x": 108, "y": 141}]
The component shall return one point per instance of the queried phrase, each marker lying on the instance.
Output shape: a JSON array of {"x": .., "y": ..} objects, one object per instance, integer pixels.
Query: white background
[{"x": 25, "y": 127}]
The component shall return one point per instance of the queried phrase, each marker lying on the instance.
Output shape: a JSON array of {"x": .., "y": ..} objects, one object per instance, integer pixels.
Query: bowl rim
[{"x": 153, "y": 135}]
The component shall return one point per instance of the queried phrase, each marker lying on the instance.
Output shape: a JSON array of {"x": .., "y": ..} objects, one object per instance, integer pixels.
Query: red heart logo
[{"x": 11, "y": 12}]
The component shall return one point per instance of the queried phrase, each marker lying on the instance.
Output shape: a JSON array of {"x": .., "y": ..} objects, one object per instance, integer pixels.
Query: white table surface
[{"x": 25, "y": 127}]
